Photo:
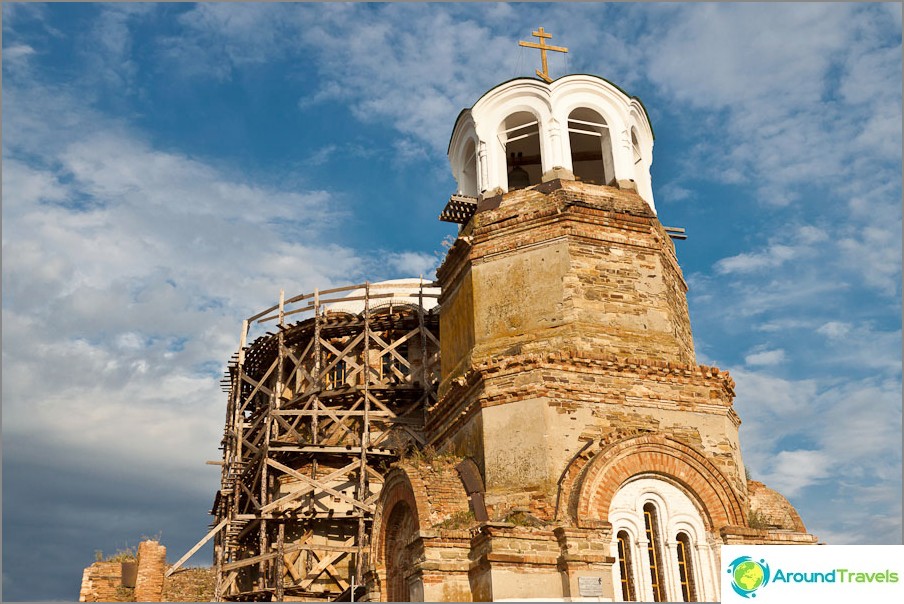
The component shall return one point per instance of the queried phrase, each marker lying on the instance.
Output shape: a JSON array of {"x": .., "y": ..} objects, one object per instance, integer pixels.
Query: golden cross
[{"x": 543, "y": 48}]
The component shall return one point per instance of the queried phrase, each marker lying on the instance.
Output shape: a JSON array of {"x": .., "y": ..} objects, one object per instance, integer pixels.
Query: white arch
[
  {"x": 677, "y": 512},
  {"x": 552, "y": 104}
]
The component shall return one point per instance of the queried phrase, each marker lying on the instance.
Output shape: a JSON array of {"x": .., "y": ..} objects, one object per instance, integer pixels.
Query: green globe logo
[{"x": 748, "y": 575}]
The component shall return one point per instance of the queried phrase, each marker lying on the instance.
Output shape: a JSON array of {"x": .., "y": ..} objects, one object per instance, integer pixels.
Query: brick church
[{"x": 534, "y": 424}]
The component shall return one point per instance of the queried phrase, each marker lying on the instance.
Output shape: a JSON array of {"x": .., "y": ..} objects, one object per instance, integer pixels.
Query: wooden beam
[
  {"x": 308, "y": 488},
  {"x": 197, "y": 546},
  {"x": 288, "y": 549},
  {"x": 325, "y": 564},
  {"x": 318, "y": 484}
]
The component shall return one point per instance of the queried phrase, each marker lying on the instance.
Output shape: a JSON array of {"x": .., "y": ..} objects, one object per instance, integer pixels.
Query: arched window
[
  {"x": 645, "y": 512},
  {"x": 520, "y": 137},
  {"x": 625, "y": 567},
  {"x": 591, "y": 147},
  {"x": 654, "y": 551},
  {"x": 685, "y": 568},
  {"x": 468, "y": 184}
]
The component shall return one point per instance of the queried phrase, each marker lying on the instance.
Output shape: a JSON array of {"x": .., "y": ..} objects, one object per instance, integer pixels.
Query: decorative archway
[
  {"x": 593, "y": 482},
  {"x": 396, "y": 529}
]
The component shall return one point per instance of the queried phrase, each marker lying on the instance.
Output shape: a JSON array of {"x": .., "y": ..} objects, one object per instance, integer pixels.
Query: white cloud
[
  {"x": 765, "y": 357},
  {"x": 414, "y": 264},
  {"x": 17, "y": 52},
  {"x": 796, "y": 433},
  {"x": 775, "y": 255},
  {"x": 801, "y": 244},
  {"x": 790, "y": 472},
  {"x": 834, "y": 329},
  {"x": 673, "y": 192},
  {"x": 127, "y": 271}
]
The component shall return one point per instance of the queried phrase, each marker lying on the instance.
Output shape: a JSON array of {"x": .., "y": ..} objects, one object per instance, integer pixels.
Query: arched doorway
[{"x": 401, "y": 531}]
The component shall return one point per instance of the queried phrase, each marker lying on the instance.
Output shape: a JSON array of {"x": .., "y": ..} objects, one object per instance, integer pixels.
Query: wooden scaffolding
[{"x": 316, "y": 412}]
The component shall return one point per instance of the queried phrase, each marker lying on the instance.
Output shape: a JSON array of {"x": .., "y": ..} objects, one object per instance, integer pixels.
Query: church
[{"x": 533, "y": 424}]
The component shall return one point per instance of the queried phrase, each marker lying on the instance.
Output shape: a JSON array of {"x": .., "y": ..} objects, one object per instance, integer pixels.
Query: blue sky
[{"x": 168, "y": 168}]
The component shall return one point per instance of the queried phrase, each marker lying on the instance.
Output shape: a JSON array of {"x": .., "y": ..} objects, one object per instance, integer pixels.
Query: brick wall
[
  {"x": 151, "y": 566},
  {"x": 102, "y": 581}
]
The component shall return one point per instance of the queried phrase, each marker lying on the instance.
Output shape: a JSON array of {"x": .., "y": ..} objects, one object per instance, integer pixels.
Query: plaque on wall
[{"x": 590, "y": 586}]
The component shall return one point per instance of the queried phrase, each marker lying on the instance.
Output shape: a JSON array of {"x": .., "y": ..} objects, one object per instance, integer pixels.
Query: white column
[
  {"x": 555, "y": 146},
  {"x": 644, "y": 587},
  {"x": 481, "y": 167},
  {"x": 624, "y": 162},
  {"x": 708, "y": 573},
  {"x": 670, "y": 570}
]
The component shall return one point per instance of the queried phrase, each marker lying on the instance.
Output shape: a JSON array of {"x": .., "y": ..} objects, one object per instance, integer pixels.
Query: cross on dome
[{"x": 543, "y": 48}]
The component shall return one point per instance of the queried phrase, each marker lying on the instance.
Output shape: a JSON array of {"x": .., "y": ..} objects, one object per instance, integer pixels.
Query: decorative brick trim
[
  {"x": 615, "y": 464},
  {"x": 402, "y": 485}
]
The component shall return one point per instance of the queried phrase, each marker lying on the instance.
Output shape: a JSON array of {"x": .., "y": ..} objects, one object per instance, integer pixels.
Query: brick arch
[
  {"x": 402, "y": 484},
  {"x": 615, "y": 464}
]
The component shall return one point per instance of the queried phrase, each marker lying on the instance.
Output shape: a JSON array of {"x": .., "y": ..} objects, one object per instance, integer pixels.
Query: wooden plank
[
  {"x": 308, "y": 488},
  {"x": 253, "y": 392},
  {"x": 329, "y": 449},
  {"x": 197, "y": 546},
  {"x": 254, "y": 501},
  {"x": 261, "y": 314},
  {"x": 325, "y": 564},
  {"x": 329, "y": 411},
  {"x": 319, "y": 485},
  {"x": 289, "y": 563},
  {"x": 288, "y": 549}
]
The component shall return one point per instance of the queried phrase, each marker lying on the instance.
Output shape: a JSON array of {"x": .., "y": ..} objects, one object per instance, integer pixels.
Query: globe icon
[{"x": 748, "y": 575}]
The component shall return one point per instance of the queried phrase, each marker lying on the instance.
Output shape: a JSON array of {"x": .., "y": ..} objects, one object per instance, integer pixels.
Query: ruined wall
[
  {"x": 151, "y": 566},
  {"x": 104, "y": 581}
]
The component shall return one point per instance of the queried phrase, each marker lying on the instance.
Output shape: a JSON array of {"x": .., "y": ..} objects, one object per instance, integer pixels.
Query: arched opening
[
  {"x": 591, "y": 147},
  {"x": 520, "y": 137},
  {"x": 686, "y": 568},
  {"x": 401, "y": 530},
  {"x": 670, "y": 553},
  {"x": 654, "y": 551},
  {"x": 625, "y": 566},
  {"x": 468, "y": 184}
]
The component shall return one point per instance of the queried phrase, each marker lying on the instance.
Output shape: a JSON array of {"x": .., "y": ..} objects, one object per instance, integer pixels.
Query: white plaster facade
[
  {"x": 561, "y": 122},
  {"x": 676, "y": 513}
]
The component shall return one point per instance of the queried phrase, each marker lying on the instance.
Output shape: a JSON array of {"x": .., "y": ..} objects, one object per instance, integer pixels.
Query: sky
[{"x": 168, "y": 168}]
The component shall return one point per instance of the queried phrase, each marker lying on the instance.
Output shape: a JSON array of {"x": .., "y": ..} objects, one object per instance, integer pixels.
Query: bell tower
[
  {"x": 573, "y": 264},
  {"x": 596, "y": 456}
]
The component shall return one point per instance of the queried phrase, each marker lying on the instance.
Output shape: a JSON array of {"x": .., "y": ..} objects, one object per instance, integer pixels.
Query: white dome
[
  {"x": 578, "y": 127},
  {"x": 384, "y": 293}
]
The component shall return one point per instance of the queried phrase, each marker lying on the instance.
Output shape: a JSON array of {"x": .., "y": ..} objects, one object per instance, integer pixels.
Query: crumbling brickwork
[
  {"x": 103, "y": 581},
  {"x": 151, "y": 566},
  {"x": 568, "y": 372}
]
